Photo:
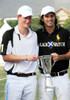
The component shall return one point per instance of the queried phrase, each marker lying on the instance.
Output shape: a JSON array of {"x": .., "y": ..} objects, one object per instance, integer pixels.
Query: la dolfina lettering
[{"x": 54, "y": 44}]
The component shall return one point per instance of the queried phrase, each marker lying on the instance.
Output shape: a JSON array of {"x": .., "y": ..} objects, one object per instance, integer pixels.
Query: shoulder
[
  {"x": 8, "y": 33},
  {"x": 39, "y": 30},
  {"x": 64, "y": 30},
  {"x": 33, "y": 32}
]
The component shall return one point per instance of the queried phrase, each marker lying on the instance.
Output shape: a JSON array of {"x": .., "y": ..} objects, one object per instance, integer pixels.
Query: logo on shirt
[
  {"x": 52, "y": 44},
  {"x": 58, "y": 37},
  {"x": 1, "y": 47}
]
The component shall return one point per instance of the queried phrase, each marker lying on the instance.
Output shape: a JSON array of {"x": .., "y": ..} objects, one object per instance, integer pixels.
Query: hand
[
  {"x": 55, "y": 57},
  {"x": 32, "y": 57}
]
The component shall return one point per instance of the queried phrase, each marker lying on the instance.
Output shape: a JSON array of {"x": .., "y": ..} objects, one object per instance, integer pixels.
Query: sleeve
[
  {"x": 4, "y": 43},
  {"x": 68, "y": 39}
]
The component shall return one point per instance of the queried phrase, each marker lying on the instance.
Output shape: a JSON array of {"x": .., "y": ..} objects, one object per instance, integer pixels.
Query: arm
[
  {"x": 57, "y": 57},
  {"x": 17, "y": 58}
]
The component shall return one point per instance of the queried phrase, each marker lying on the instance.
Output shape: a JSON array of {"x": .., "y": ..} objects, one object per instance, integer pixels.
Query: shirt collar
[
  {"x": 56, "y": 28},
  {"x": 18, "y": 32}
]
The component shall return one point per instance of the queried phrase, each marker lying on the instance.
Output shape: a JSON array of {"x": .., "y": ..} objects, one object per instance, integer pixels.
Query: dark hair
[{"x": 42, "y": 23}]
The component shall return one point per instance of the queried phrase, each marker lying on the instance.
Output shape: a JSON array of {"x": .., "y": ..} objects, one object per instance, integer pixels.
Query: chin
[
  {"x": 50, "y": 25},
  {"x": 27, "y": 26}
]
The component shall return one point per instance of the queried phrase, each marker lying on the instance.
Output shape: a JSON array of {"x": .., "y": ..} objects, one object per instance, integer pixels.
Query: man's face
[
  {"x": 25, "y": 21},
  {"x": 49, "y": 19}
]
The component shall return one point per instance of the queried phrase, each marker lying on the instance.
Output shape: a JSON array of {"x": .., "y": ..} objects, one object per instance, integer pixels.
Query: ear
[{"x": 18, "y": 16}]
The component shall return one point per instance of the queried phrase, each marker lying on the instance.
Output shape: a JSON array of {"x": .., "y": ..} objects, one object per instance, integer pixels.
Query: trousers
[
  {"x": 20, "y": 88},
  {"x": 61, "y": 87}
]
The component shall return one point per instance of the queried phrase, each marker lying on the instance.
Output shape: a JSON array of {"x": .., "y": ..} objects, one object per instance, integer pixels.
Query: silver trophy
[{"x": 46, "y": 66}]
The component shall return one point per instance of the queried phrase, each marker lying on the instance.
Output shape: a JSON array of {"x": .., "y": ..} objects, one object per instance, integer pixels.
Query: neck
[
  {"x": 23, "y": 31},
  {"x": 50, "y": 29}
]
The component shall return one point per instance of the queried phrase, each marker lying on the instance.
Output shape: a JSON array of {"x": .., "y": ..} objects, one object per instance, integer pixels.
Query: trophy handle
[
  {"x": 41, "y": 61},
  {"x": 51, "y": 62}
]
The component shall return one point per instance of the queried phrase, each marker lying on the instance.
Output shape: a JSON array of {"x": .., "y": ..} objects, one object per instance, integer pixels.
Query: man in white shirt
[{"x": 20, "y": 52}]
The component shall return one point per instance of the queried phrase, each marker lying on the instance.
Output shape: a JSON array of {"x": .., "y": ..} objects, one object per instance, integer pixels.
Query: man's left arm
[{"x": 57, "y": 57}]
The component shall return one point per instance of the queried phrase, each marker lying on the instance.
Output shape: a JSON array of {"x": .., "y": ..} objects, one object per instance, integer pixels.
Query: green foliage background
[
  {"x": 12, "y": 23},
  {"x": 1, "y": 22},
  {"x": 67, "y": 24},
  {"x": 35, "y": 23}
]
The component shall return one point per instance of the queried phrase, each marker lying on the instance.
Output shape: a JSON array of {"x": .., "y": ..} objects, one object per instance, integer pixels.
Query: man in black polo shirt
[{"x": 55, "y": 41}]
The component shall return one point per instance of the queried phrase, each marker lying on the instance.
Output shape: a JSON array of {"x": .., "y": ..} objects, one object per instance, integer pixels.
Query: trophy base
[{"x": 48, "y": 83}]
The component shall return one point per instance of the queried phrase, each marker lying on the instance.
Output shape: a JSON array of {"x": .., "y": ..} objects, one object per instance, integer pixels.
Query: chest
[
  {"x": 24, "y": 44},
  {"x": 51, "y": 37},
  {"x": 52, "y": 43}
]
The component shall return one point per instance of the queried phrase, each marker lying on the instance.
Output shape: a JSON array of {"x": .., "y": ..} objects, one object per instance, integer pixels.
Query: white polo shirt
[{"x": 23, "y": 46}]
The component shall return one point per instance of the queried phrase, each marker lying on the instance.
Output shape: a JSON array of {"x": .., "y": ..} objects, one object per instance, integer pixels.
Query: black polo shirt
[{"x": 57, "y": 42}]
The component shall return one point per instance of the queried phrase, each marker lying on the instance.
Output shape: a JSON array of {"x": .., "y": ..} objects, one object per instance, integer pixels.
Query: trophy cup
[{"x": 45, "y": 65}]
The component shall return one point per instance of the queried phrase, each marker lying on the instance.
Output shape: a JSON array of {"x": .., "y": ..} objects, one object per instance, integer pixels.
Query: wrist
[
  {"x": 26, "y": 58},
  {"x": 60, "y": 57}
]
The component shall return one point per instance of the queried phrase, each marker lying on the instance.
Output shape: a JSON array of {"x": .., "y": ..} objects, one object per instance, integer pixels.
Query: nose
[
  {"x": 28, "y": 20},
  {"x": 50, "y": 18}
]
